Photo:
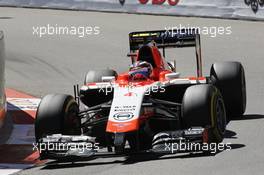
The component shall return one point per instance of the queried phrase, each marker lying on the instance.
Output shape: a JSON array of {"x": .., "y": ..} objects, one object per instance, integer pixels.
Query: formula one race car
[{"x": 146, "y": 109}]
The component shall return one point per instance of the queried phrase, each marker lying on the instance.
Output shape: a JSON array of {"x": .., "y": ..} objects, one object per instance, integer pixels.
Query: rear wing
[{"x": 169, "y": 39}]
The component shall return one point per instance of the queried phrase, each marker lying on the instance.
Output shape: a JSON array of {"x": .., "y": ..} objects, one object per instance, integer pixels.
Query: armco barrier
[
  {"x": 2, "y": 80},
  {"x": 238, "y": 9}
]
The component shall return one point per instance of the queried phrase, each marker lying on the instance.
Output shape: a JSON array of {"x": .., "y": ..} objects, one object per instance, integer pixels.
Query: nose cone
[{"x": 125, "y": 109}]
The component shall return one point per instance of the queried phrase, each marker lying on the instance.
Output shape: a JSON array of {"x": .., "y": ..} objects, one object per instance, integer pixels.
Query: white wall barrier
[{"x": 238, "y": 9}]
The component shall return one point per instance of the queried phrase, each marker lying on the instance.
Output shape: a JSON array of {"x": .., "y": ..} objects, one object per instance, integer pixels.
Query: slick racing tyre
[
  {"x": 229, "y": 78},
  {"x": 96, "y": 76},
  {"x": 57, "y": 114},
  {"x": 95, "y": 97},
  {"x": 203, "y": 106}
]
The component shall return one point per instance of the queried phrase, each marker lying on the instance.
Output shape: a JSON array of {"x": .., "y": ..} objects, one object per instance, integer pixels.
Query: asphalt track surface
[{"x": 53, "y": 64}]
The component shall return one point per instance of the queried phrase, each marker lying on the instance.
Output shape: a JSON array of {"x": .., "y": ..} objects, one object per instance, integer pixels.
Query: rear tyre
[
  {"x": 57, "y": 114},
  {"x": 229, "y": 78},
  {"x": 203, "y": 106},
  {"x": 96, "y": 76},
  {"x": 93, "y": 97}
]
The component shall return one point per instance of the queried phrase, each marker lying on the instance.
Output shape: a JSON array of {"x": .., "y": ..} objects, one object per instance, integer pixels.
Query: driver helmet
[{"x": 140, "y": 70}]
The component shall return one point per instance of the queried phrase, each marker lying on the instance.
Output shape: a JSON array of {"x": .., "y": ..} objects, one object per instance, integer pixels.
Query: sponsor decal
[
  {"x": 121, "y": 125},
  {"x": 160, "y": 2},
  {"x": 123, "y": 116},
  {"x": 155, "y": 2},
  {"x": 125, "y": 108},
  {"x": 122, "y": 2},
  {"x": 130, "y": 94},
  {"x": 254, "y": 4}
]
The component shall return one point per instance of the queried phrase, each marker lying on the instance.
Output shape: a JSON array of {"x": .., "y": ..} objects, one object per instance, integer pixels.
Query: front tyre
[
  {"x": 203, "y": 106},
  {"x": 57, "y": 114}
]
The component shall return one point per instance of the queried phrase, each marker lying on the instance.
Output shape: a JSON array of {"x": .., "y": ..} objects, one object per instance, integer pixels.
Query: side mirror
[
  {"x": 172, "y": 65},
  {"x": 133, "y": 56}
]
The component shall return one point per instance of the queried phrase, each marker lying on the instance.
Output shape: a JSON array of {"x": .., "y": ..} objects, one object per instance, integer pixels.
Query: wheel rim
[{"x": 71, "y": 121}]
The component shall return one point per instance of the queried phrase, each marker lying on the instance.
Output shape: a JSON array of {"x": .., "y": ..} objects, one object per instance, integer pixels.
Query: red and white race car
[{"x": 145, "y": 108}]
